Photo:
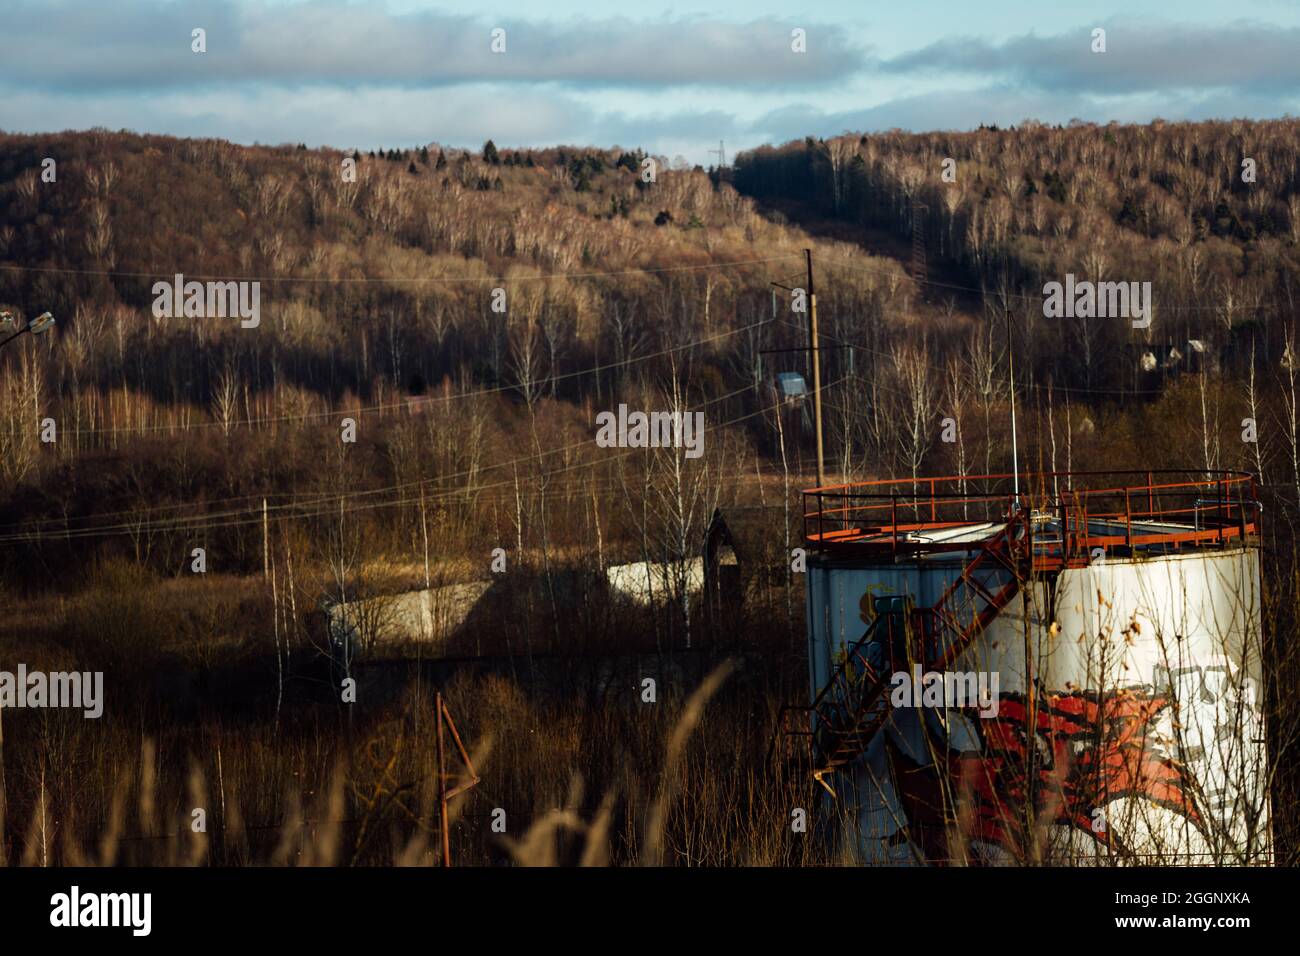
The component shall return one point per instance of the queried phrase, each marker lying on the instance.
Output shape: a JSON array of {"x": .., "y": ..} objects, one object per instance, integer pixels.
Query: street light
[{"x": 42, "y": 323}]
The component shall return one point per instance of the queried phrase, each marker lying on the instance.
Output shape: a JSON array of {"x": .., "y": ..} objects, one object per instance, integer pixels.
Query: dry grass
[{"x": 681, "y": 797}]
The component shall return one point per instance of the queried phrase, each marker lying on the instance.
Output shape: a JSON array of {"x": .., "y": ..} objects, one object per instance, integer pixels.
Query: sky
[{"x": 673, "y": 79}]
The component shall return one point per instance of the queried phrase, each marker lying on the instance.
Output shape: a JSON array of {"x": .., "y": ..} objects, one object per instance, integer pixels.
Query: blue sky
[{"x": 673, "y": 79}]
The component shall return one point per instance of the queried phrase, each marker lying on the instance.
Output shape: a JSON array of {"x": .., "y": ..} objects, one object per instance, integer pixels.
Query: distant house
[{"x": 1159, "y": 362}]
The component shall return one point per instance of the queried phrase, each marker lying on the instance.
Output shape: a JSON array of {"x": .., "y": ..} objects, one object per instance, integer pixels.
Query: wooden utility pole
[
  {"x": 266, "y": 547},
  {"x": 815, "y": 349},
  {"x": 1011, "y": 393},
  {"x": 814, "y": 359}
]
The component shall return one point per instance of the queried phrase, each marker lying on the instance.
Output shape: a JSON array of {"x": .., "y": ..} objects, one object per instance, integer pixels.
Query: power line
[
  {"x": 254, "y": 514},
  {"x": 258, "y": 496}
]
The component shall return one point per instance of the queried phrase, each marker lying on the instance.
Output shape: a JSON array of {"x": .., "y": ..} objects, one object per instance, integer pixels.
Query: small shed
[{"x": 742, "y": 550}]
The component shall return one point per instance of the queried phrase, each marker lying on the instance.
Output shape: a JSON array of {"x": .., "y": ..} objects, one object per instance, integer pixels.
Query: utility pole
[
  {"x": 722, "y": 156},
  {"x": 1011, "y": 391},
  {"x": 814, "y": 358},
  {"x": 815, "y": 349}
]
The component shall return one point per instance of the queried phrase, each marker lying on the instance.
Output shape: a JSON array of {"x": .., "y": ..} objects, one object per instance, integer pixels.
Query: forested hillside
[
  {"x": 1209, "y": 213},
  {"x": 381, "y": 290},
  {"x": 503, "y": 296}
]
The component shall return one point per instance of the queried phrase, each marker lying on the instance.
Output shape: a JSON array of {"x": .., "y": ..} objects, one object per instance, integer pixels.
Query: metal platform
[{"x": 1075, "y": 517}]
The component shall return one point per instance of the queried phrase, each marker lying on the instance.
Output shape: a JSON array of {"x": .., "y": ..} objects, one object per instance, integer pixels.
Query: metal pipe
[
  {"x": 1128, "y": 522},
  {"x": 893, "y": 528},
  {"x": 442, "y": 785}
]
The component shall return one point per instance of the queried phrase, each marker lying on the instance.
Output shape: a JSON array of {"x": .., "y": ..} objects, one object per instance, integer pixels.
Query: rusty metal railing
[{"x": 1090, "y": 510}]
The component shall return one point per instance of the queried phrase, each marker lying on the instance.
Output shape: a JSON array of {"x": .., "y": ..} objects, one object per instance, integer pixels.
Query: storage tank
[{"x": 1067, "y": 672}]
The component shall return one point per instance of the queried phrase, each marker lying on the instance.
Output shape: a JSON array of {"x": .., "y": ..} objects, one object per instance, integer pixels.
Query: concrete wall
[
  {"x": 424, "y": 615},
  {"x": 646, "y": 582}
]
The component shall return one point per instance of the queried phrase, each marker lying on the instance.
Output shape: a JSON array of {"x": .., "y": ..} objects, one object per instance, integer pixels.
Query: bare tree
[
  {"x": 915, "y": 402},
  {"x": 225, "y": 396}
]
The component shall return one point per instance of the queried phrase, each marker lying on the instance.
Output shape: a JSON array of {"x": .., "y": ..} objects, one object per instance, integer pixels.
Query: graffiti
[
  {"x": 1183, "y": 745},
  {"x": 1088, "y": 749}
]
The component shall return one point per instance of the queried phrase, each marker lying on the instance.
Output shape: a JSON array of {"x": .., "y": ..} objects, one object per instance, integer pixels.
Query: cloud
[
  {"x": 1141, "y": 56},
  {"x": 331, "y": 72},
  {"x": 83, "y": 45}
]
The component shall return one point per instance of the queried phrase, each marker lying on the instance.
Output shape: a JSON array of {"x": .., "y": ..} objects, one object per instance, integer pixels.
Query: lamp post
[{"x": 42, "y": 323}]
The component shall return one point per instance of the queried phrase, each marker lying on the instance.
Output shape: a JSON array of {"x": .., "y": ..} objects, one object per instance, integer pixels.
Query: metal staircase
[{"x": 854, "y": 704}]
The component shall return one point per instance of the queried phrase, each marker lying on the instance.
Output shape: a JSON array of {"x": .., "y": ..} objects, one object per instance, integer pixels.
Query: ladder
[{"x": 853, "y": 705}]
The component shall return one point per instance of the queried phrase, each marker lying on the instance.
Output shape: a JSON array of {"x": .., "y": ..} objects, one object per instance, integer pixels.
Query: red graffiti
[{"x": 1089, "y": 749}]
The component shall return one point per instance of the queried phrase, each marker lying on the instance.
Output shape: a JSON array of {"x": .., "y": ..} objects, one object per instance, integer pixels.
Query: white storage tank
[{"x": 1071, "y": 674}]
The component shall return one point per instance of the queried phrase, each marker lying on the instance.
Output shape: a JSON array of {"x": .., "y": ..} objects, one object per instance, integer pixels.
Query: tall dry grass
[{"x": 681, "y": 782}]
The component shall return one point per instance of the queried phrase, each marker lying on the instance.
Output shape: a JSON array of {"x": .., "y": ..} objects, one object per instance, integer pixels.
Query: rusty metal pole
[
  {"x": 893, "y": 517},
  {"x": 442, "y": 785},
  {"x": 1222, "y": 521},
  {"x": 1128, "y": 522}
]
